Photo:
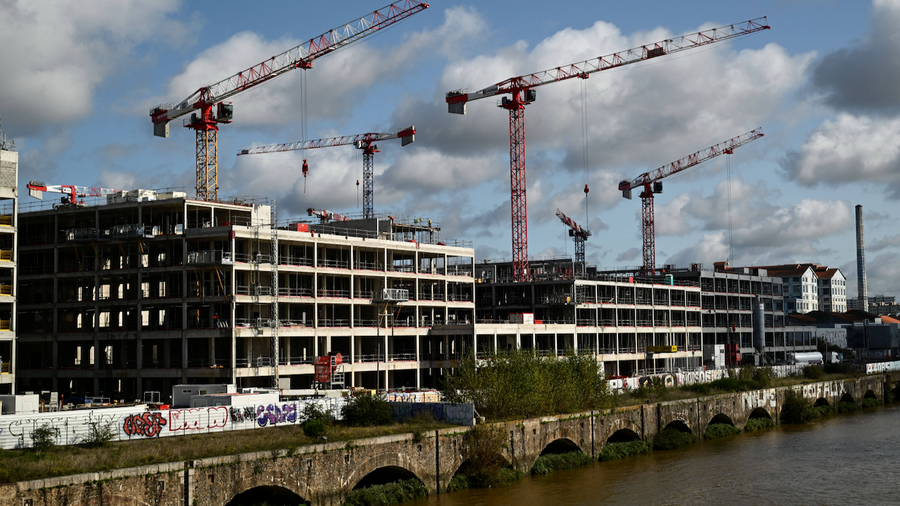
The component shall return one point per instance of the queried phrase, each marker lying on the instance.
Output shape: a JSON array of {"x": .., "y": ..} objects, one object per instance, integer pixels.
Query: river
[{"x": 845, "y": 459}]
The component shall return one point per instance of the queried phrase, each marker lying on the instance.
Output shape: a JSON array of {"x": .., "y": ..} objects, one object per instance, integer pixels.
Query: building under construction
[
  {"x": 9, "y": 169},
  {"x": 156, "y": 289}
]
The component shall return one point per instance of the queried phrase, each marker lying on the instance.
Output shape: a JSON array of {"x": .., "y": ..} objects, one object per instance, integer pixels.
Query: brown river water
[{"x": 845, "y": 459}]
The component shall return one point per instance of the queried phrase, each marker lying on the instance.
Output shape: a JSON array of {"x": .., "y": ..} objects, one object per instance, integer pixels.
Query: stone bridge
[{"x": 324, "y": 474}]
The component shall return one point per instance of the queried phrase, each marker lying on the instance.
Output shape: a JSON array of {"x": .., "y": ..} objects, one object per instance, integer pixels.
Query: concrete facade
[
  {"x": 9, "y": 203},
  {"x": 140, "y": 294},
  {"x": 325, "y": 474}
]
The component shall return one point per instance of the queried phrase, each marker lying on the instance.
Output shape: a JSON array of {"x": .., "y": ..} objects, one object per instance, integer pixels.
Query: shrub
[
  {"x": 314, "y": 429},
  {"x": 813, "y": 372},
  {"x": 99, "y": 434},
  {"x": 44, "y": 438},
  {"x": 616, "y": 451},
  {"x": 720, "y": 430},
  {"x": 669, "y": 439},
  {"x": 312, "y": 411},
  {"x": 367, "y": 410},
  {"x": 546, "y": 464},
  {"x": 848, "y": 407},
  {"x": 389, "y": 493},
  {"x": 796, "y": 408},
  {"x": 755, "y": 424},
  {"x": 484, "y": 467},
  {"x": 871, "y": 402}
]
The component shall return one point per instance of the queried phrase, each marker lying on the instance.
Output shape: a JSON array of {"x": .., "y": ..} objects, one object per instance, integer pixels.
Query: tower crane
[
  {"x": 576, "y": 231},
  {"x": 521, "y": 91},
  {"x": 651, "y": 183},
  {"x": 365, "y": 142},
  {"x": 200, "y": 104},
  {"x": 74, "y": 195}
]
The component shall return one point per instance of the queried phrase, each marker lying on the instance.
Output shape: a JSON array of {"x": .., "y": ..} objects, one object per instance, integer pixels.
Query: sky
[{"x": 78, "y": 80}]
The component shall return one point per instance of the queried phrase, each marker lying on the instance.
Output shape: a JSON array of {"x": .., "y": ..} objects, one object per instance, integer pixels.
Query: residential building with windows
[{"x": 832, "y": 289}]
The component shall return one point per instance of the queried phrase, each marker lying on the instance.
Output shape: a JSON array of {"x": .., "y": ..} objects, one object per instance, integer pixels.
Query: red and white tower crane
[
  {"x": 578, "y": 233},
  {"x": 651, "y": 183},
  {"x": 204, "y": 120},
  {"x": 521, "y": 93},
  {"x": 74, "y": 195},
  {"x": 365, "y": 142}
]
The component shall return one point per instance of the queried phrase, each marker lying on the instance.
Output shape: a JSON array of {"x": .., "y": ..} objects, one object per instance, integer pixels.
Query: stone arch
[
  {"x": 267, "y": 494},
  {"x": 561, "y": 445},
  {"x": 385, "y": 460},
  {"x": 821, "y": 401},
  {"x": 870, "y": 394},
  {"x": 760, "y": 413},
  {"x": 847, "y": 398},
  {"x": 679, "y": 425},
  {"x": 606, "y": 431},
  {"x": 623, "y": 436},
  {"x": 264, "y": 481},
  {"x": 721, "y": 418}
]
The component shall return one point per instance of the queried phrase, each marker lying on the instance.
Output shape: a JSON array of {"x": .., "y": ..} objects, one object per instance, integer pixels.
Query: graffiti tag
[{"x": 145, "y": 424}]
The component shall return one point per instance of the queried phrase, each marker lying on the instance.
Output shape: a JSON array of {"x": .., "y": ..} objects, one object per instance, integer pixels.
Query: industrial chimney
[{"x": 861, "y": 261}]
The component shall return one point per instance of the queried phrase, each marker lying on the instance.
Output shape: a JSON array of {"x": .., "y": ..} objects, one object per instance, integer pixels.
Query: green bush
[
  {"x": 848, "y": 407},
  {"x": 387, "y": 494},
  {"x": 315, "y": 429},
  {"x": 720, "y": 430},
  {"x": 871, "y": 402},
  {"x": 796, "y": 408},
  {"x": 367, "y": 410},
  {"x": 521, "y": 384},
  {"x": 43, "y": 438},
  {"x": 813, "y": 372},
  {"x": 483, "y": 466},
  {"x": 669, "y": 439},
  {"x": 755, "y": 424},
  {"x": 843, "y": 368},
  {"x": 546, "y": 464},
  {"x": 99, "y": 434},
  {"x": 616, "y": 451},
  {"x": 312, "y": 411}
]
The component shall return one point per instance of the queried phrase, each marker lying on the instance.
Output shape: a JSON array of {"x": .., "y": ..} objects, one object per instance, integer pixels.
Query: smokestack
[{"x": 861, "y": 261}]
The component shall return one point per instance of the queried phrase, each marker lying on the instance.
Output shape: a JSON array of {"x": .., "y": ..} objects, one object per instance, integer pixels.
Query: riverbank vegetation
[
  {"x": 616, "y": 451},
  {"x": 546, "y": 464},
  {"x": 387, "y": 494},
  {"x": 521, "y": 384},
  {"x": 717, "y": 430}
]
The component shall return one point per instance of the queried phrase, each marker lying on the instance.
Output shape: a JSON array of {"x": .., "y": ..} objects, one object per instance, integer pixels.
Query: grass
[
  {"x": 24, "y": 465},
  {"x": 717, "y": 430},
  {"x": 616, "y": 451},
  {"x": 387, "y": 494},
  {"x": 870, "y": 402},
  {"x": 546, "y": 464}
]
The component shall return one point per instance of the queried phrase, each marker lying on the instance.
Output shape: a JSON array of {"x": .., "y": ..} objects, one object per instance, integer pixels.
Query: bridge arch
[
  {"x": 393, "y": 462},
  {"x": 679, "y": 425},
  {"x": 847, "y": 398},
  {"x": 623, "y": 436},
  {"x": 267, "y": 494},
  {"x": 821, "y": 401},
  {"x": 870, "y": 394},
  {"x": 721, "y": 418}
]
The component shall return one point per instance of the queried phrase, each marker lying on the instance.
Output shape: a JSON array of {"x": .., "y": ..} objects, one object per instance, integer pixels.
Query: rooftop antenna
[{"x": 6, "y": 144}]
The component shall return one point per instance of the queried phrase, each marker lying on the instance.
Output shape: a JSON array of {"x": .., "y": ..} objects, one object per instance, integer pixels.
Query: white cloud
[{"x": 71, "y": 50}]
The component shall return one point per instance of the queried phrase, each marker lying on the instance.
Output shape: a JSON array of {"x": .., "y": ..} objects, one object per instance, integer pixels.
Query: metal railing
[
  {"x": 295, "y": 261},
  {"x": 210, "y": 257},
  {"x": 286, "y": 291},
  {"x": 334, "y": 264},
  {"x": 333, "y": 294}
]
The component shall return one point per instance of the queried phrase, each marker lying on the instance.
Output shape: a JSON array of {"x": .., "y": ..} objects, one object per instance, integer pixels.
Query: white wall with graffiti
[{"x": 135, "y": 422}]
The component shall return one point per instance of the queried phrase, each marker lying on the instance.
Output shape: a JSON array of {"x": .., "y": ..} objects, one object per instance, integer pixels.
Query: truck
[{"x": 806, "y": 357}]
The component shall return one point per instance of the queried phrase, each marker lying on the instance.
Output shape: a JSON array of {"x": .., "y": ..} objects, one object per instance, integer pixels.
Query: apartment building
[
  {"x": 9, "y": 170},
  {"x": 154, "y": 289},
  {"x": 811, "y": 287}
]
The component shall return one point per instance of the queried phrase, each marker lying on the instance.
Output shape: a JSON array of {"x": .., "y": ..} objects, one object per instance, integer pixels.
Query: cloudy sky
[{"x": 79, "y": 79}]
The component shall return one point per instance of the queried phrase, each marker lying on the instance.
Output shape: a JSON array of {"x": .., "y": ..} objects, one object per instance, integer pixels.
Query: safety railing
[
  {"x": 209, "y": 257},
  {"x": 333, "y": 294},
  {"x": 334, "y": 264},
  {"x": 286, "y": 291}
]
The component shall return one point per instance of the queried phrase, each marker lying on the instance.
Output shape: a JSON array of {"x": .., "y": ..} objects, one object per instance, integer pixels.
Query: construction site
[{"x": 116, "y": 293}]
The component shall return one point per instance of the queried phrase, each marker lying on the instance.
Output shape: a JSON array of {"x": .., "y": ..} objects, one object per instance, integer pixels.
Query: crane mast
[
  {"x": 521, "y": 93},
  {"x": 365, "y": 142},
  {"x": 650, "y": 181},
  {"x": 200, "y": 104},
  {"x": 576, "y": 231}
]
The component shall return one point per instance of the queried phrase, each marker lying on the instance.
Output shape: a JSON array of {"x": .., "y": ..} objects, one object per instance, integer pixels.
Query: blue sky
[{"x": 79, "y": 79}]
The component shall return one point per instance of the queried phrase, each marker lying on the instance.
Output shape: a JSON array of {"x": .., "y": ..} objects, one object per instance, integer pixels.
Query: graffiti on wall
[
  {"x": 457, "y": 414},
  {"x": 881, "y": 367},
  {"x": 72, "y": 427}
]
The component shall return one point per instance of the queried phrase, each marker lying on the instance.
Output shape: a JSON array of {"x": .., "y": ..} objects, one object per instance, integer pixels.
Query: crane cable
[
  {"x": 304, "y": 112},
  {"x": 730, "y": 225}
]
